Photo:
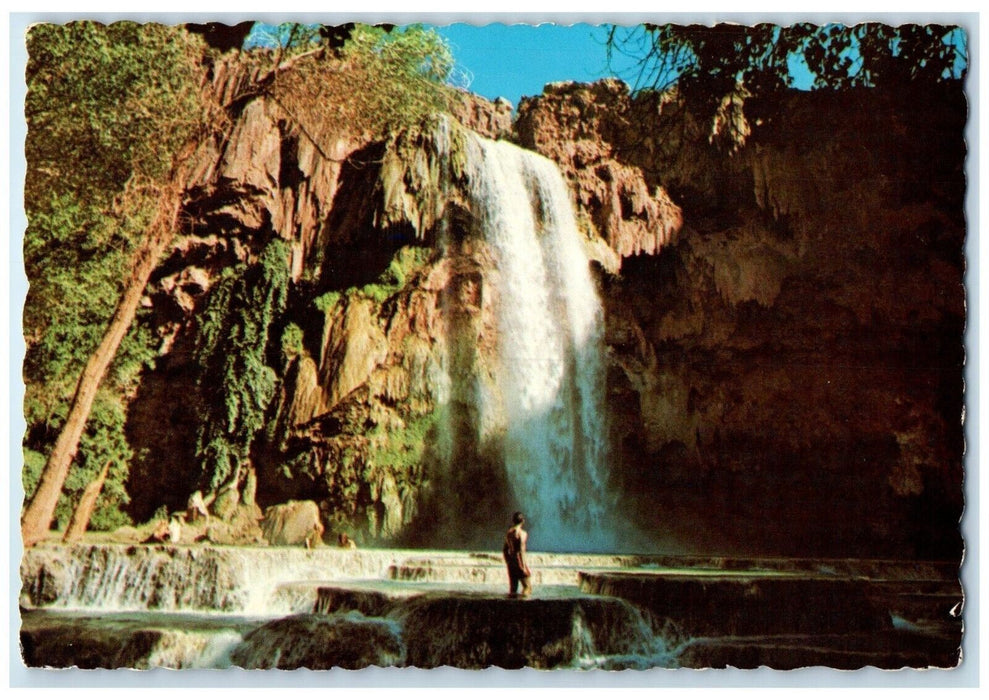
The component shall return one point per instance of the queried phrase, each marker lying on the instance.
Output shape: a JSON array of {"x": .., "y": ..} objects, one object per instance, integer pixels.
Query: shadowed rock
[
  {"x": 739, "y": 604},
  {"x": 319, "y": 643},
  {"x": 479, "y": 631}
]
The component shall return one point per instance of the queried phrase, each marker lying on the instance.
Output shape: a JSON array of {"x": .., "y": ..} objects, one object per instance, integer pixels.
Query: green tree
[
  {"x": 715, "y": 68},
  {"x": 382, "y": 80},
  {"x": 115, "y": 115},
  {"x": 108, "y": 110},
  {"x": 237, "y": 383}
]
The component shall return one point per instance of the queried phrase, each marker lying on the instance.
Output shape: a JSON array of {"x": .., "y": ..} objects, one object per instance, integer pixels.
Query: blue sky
[
  {"x": 511, "y": 61},
  {"x": 515, "y": 61}
]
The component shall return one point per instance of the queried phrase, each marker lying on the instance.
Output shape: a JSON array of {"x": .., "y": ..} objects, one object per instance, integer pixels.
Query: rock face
[
  {"x": 581, "y": 127},
  {"x": 328, "y": 643},
  {"x": 784, "y": 321},
  {"x": 786, "y": 375},
  {"x": 292, "y": 523}
]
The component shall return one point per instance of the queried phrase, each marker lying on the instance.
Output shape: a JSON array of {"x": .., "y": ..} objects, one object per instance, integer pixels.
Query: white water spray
[{"x": 548, "y": 401}]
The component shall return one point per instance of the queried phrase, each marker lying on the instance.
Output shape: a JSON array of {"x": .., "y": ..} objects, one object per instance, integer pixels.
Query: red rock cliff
[{"x": 787, "y": 370}]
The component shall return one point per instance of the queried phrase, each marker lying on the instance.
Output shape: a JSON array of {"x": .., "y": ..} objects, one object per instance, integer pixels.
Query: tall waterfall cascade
[{"x": 547, "y": 398}]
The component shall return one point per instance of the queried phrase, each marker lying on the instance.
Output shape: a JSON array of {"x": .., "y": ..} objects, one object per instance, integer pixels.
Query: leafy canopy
[
  {"x": 715, "y": 69},
  {"x": 237, "y": 382},
  {"x": 383, "y": 79},
  {"x": 769, "y": 57},
  {"x": 107, "y": 107},
  {"x": 105, "y": 104}
]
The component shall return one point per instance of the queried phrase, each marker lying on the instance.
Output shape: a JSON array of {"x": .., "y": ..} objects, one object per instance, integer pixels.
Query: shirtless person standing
[{"x": 514, "y": 553}]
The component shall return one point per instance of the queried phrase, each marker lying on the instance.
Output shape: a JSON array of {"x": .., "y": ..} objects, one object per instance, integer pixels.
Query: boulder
[{"x": 292, "y": 523}]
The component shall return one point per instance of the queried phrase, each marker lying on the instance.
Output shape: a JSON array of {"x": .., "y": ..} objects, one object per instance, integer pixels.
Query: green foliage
[
  {"x": 102, "y": 442},
  {"x": 407, "y": 260},
  {"x": 378, "y": 293},
  {"x": 34, "y": 463},
  {"x": 360, "y": 459},
  {"x": 388, "y": 80},
  {"x": 107, "y": 103},
  {"x": 107, "y": 107},
  {"x": 75, "y": 282},
  {"x": 287, "y": 35},
  {"x": 401, "y": 451},
  {"x": 237, "y": 383},
  {"x": 402, "y": 55},
  {"x": 872, "y": 54},
  {"x": 714, "y": 68},
  {"x": 292, "y": 338},
  {"x": 327, "y": 301},
  {"x": 715, "y": 58}
]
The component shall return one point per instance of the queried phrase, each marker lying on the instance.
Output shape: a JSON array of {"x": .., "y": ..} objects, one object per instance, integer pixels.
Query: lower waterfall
[{"x": 115, "y": 606}]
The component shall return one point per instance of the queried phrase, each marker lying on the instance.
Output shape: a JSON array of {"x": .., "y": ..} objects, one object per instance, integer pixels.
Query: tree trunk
[
  {"x": 37, "y": 516},
  {"x": 40, "y": 510},
  {"x": 84, "y": 511}
]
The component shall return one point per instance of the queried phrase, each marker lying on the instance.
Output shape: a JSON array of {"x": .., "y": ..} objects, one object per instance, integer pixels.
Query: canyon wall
[
  {"x": 786, "y": 374},
  {"x": 783, "y": 322}
]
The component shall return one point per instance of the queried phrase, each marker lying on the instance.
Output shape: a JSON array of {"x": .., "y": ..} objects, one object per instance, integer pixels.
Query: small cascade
[
  {"x": 295, "y": 608},
  {"x": 164, "y": 578},
  {"x": 141, "y": 641},
  {"x": 546, "y": 400},
  {"x": 194, "y": 649},
  {"x": 322, "y": 642},
  {"x": 616, "y": 637},
  {"x": 477, "y": 632}
]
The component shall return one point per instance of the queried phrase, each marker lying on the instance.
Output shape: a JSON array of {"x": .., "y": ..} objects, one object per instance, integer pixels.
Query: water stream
[
  {"x": 112, "y": 606},
  {"x": 116, "y": 606},
  {"x": 547, "y": 400}
]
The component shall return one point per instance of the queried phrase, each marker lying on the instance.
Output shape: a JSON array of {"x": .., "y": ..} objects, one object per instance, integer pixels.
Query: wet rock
[
  {"x": 487, "y": 118},
  {"x": 481, "y": 631},
  {"x": 318, "y": 642},
  {"x": 721, "y": 605},
  {"x": 89, "y": 648},
  {"x": 44, "y": 580},
  {"x": 885, "y": 650},
  {"x": 758, "y": 355},
  {"x": 126, "y": 641},
  {"x": 353, "y": 346},
  {"x": 242, "y": 527},
  {"x": 577, "y": 126},
  {"x": 787, "y": 322},
  {"x": 336, "y": 599},
  {"x": 226, "y": 503}
]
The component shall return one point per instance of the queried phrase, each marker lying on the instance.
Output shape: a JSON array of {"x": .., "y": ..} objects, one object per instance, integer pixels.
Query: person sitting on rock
[
  {"x": 175, "y": 528},
  {"x": 159, "y": 534},
  {"x": 514, "y": 553},
  {"x": 196, "y": 508},
  {"x": 315, "y": 536}
]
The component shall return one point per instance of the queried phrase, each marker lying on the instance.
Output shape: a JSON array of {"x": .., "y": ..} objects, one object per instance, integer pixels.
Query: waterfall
[
  {"x": 109, "y": 606},
  {"x": 547, "y": 398},
  {"x": 189, "y": 579}
]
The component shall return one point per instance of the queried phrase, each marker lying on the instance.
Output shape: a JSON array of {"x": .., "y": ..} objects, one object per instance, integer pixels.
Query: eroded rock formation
[
  {"x": 789, "y": 369},
  {"x": 784, "y": 322}
]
